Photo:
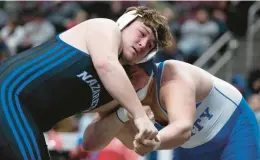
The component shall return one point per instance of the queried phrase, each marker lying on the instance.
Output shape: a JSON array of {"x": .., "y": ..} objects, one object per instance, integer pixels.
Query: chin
[{"x": 129, "y": 59}]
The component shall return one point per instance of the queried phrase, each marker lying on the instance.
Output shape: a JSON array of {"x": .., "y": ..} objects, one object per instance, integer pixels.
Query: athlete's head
[
  {"x": 144, "y": 30},
  {"x": 139, "y": 74}
]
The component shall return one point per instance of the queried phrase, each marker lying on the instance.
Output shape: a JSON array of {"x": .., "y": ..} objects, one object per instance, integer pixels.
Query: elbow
[
  {"x": 104, "y": 66},
  {"x": 89, "y": 142},
  {"x": 91, "y": 147},
  {"x": 186, "y": 131},
  {"x": 87, "y": 147},
  {"x": 186, "y": 135}
]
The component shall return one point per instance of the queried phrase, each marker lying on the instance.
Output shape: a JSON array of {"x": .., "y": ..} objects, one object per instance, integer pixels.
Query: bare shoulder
[
  {"x": 105, "y": 32},
  {"x": 188, "y": 76},
  {"x": 174, "y": 69},
  {"x": 107, "y": 26}
]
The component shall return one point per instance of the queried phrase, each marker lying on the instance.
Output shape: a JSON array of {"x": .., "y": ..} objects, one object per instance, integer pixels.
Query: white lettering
[
  {"x": 84, "y": 76},
  {"x": 94, "y": 85}
]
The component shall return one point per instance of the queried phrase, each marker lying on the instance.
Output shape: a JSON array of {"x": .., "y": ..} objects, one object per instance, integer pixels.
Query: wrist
[
  {"x": 140, "y": 114},
  {"x": 122, "y": 115}
]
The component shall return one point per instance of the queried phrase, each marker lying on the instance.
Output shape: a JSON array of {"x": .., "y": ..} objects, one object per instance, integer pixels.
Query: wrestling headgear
[
  {"x": 142, "y": 93},
  {"x": 125, "y": 20},
  {"x": 148, "y": 68}
]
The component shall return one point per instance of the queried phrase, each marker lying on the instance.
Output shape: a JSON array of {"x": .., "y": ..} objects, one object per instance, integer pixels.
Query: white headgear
[{"x": 126, "y": 19}]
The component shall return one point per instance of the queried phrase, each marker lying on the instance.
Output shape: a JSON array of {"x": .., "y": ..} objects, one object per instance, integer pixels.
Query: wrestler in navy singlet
[{"x": 40, "y": 87}]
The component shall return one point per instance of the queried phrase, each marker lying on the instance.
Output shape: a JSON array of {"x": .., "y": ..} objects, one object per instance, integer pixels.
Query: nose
[{"x": 142, "y": 44}]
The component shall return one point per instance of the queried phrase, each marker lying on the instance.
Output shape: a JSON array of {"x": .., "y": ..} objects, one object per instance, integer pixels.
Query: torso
[
  {"x": 200, "y": 77},
  {"x": 216, "y": 101},
  {"x": 67, "y": 85},
  {"x": 76, "y": 37}
]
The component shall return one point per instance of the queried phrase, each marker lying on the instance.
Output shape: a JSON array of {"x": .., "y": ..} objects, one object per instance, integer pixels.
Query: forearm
[
  {"x": 174, "y": 135},
  {"x": 119, "y": 86},
  {"x": 99, "y": 133}
]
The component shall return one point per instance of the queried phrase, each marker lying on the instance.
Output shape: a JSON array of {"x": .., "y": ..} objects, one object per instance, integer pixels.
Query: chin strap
[{"x": 142, "y": 93}]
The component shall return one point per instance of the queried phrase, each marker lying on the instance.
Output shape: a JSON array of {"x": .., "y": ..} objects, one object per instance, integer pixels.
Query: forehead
[{"x": 140, "y": 24}]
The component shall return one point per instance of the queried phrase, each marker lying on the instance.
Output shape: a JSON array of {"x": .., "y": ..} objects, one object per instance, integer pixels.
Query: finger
[
  {"x": 138, "y": 152},
  {"x": 135, "y": 143},
  {"x": 149, "y": 142},
  {"x": 147, "y": 135},
  {"x": 157, "y": 139},
  {"x": 138, "y": 136},
  {"x": 141, "y": 135},
  {"x": 139, "y": 148},
  {"x": 142, "y": 152},
  {"x": 138, "y": 145},
  {"x": 152, "y": 135},
  {"x": 151, "y": 116}
]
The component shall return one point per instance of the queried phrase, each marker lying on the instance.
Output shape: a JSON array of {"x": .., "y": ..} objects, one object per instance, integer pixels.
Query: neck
[
  {"x": 151, "y": 85},
  {"x": 121, "y": 61},
  {"x": 160, "y": 117}
]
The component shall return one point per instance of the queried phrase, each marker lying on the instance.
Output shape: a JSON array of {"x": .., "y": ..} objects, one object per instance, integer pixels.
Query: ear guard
[{"x": 142, "y": 93}]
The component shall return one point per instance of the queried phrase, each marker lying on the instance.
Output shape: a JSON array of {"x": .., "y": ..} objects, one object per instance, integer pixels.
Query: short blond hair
[{"x": 156, "y": 22}]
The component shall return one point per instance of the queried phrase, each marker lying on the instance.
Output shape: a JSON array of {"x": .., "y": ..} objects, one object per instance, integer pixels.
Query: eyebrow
[{"x": 146, "y": 30}]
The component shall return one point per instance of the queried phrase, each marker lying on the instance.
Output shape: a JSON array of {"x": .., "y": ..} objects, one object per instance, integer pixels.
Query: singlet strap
[{"x": 158, "y": 72}]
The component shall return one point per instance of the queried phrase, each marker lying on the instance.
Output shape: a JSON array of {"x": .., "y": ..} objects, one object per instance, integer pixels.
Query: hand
[
  {"x": 146, "y": 146},
  {"x": 145, "y": 129}
]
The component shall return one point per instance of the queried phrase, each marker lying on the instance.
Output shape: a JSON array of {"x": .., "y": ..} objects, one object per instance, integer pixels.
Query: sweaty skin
[
  {"x": 194, "y": 75},
  {"x": 187, "y": 77},
  {"x": 90, "y": 35}
]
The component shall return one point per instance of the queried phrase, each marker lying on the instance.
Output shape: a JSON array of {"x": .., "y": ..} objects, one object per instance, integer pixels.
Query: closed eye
[
  {"x": 150, "y": 46},
  {"x": 142, "y": 33}
]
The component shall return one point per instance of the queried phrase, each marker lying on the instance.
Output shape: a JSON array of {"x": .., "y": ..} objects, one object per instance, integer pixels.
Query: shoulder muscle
[{"x": 102, "y": 35}]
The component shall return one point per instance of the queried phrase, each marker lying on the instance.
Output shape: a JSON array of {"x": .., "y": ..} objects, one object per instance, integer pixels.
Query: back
[{"x": 55, "y": 80}]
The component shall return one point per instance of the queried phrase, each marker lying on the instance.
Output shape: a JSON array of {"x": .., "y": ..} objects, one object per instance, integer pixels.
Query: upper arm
[
  {"x": 177, "y": 94},
  {"x": 103, "y": 40}
]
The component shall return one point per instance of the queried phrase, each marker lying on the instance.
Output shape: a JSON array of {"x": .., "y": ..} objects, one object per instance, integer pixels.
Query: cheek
[
  {"x": 135, "y": 36},
  {"x": 142, "y": 80}
]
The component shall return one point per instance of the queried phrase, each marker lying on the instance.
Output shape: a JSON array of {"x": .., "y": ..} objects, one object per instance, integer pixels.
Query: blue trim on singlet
[
  {"x": 60, "y": 40},
  {"x": 13, "y": 91},
  {"x": 13, "y": 112},
  {"x": 158, "y": 76},
  {"x": 158, "y": 126},
  {"x": 158, "y": 73}
]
